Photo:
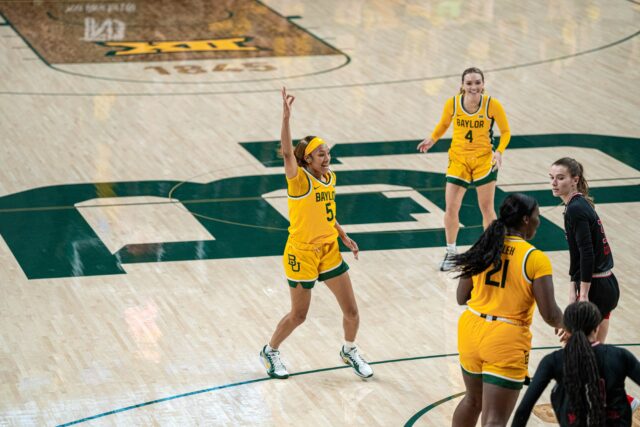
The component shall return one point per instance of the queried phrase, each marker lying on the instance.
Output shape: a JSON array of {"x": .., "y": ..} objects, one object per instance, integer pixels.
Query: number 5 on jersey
[{"x": 330, "y": 215}]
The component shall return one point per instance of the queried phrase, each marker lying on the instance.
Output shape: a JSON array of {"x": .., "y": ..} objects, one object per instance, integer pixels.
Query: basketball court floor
[{"x": 143, "y": 206}]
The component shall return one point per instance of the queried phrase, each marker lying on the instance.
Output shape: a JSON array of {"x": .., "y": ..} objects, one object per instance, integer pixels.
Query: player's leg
[
  {"x": 270, "y": 354},
  {"x": 604, "y": 293},
  {"x": 497, "y": 404},
  {"x": 485, "y": 181},
  {"x": 300, "y": 302},
  {"x": 301, "y": 268},
  {"x": 603, "y": 330},
  {"x": 454, "y": 193},
  {"x": 505, "y": 352},
  {"x": 341, "y": 287},
  {"x": 333, "y": 271},
  {"x": 471, "y": 330},
  {"x": 486, "y": 195},
  {"x": 469, "y": 408}
]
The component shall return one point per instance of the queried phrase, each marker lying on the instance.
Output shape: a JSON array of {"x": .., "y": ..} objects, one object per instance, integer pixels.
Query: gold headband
[{"x": 312, "y": 145}]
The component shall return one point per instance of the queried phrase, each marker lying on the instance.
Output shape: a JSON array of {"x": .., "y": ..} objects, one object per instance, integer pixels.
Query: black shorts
[{"x": 604, "y": 293}]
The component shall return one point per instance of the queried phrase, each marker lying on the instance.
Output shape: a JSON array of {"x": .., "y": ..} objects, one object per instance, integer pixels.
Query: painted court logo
[
  {"x": 147, "y": 30},
  {"x": 184, "y": 46},
  {"x": 49, "y": 237}
]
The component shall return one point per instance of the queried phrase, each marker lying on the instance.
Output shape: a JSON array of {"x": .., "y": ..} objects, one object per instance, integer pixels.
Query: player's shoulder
[
  {"x": 579, "y": 207},
  {"x": 536, "y": 255},
  {"x": 493, "y": 102}
]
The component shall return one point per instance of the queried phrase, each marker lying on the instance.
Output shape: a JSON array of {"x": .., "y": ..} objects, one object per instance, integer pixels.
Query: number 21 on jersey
[{"x": 502, "y": 268}]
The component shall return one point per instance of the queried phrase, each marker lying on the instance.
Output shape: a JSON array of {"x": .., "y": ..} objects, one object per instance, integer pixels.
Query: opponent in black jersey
[
  {"x": 590, "y": 376},
  {"x": 590, "y": 255},
  {"x": 588, "y": 246}
]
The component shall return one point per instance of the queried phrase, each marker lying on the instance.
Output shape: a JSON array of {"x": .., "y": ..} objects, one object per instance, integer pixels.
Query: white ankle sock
[
  {"x": 451, "y": 247},
  {"x": 348, "y": 346},
  {"x": 269, "y": 348}
]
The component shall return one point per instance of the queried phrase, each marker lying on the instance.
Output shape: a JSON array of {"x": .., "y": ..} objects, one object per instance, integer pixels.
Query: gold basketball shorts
[
  {"x": 465, "y": 169},
  {"x": 305, "y": 263},
  {"x": 496, "y": 351}
]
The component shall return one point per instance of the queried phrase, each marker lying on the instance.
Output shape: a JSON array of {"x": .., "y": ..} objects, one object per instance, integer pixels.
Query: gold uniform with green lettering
[
  {"x": 312, "y": 252},
  {"x": 471, "y": 152},
  {"x": 494, "y": 340}
]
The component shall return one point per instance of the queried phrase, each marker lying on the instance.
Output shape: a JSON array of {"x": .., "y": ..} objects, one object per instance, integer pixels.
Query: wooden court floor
[{"x": 143, "y": 207}]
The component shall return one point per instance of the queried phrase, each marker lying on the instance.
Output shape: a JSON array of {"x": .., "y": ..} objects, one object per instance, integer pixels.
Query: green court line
[
  {"x": 330, "y": 87},
  {"x": 243, "y": 199},
  {"x": 426, "y": 409},
  {"x": 420, "y": 413},
  {"x": 257, "y": 380}
]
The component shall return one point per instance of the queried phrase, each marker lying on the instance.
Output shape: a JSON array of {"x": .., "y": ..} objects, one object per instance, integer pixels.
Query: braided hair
[
  {"x": 487, "y": 250},
  {"x": 581, "y": 378}
]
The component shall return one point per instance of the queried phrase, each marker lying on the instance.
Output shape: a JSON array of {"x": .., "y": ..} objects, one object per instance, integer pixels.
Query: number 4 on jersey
[{"x": 469, "y": 136}]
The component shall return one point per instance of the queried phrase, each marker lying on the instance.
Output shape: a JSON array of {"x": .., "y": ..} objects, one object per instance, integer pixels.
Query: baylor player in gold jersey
[
  {"x": 471, "y": 156},
  {"x": 502, "y": 277},
  {"x": 312, "y": 251}
]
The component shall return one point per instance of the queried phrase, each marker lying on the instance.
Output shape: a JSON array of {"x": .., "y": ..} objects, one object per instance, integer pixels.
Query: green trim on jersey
[
  {"x": 302, "y": 195},
  {"x": 524, "y": 265}
]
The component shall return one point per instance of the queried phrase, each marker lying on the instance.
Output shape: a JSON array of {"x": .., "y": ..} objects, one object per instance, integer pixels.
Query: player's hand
[
  {"x": 573, "y": 295},
  {"x": 496, "y": 161},
  {"x": 351, "y": 244},
  {"x": 287, "y": 101},
  {"x": 563, "y": 335},
  {"x": 424, "y": 146}
]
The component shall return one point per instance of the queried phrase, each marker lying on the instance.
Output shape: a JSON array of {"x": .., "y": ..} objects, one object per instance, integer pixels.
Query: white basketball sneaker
[
  {"x": 271, "y": 360},
  {"x": 447, "y": 262},
  {"x": 359, "y": 365}
]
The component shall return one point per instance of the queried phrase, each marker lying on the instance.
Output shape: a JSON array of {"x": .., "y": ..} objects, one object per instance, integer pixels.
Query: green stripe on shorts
[
  {"x": 457, "y": 181},
  {"x": 493, "y": 176},
  {"x": 306, "y": 285},
  {"x": 333, "y": 273},
  {"x": 471, "y": 374},
  {"x": 502, "y": 382}
]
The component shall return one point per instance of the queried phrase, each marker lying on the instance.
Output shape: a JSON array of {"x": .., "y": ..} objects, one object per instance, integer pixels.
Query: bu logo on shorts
[{"x": 295, "y": 266}]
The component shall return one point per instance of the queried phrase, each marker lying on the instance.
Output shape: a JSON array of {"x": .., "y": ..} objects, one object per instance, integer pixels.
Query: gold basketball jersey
[
  {"x": 507, "y": 291},
  {"x": 312, "y": 208},
  {"x": 472, "y": 132}
]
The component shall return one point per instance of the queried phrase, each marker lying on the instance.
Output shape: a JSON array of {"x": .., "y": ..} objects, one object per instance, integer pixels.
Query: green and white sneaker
[
  {"x": 271, "y": 360},
  {"x": 359, "y": 365}
]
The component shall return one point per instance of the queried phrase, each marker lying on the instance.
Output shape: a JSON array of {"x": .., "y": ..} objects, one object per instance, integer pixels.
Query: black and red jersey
[{"x": 589, "y": 249}]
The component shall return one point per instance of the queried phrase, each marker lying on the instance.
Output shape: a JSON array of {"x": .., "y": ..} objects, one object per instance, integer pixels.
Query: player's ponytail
[
  {"x": 487, "y": 250},
  {"x": 575, "y": 169},
  {"x": 298, "y": 152},
  {"x": 469, "y": 71},
  {"x": 581, "y": 378}
]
